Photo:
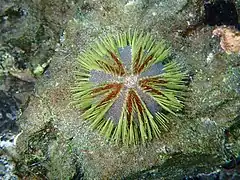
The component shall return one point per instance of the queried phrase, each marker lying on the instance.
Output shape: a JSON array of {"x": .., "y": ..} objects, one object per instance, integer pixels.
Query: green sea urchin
[{"x": 126, "y": 89}]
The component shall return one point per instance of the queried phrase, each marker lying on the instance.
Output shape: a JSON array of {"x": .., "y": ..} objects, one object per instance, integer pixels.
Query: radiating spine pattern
[{"x": 126, "y": 87}]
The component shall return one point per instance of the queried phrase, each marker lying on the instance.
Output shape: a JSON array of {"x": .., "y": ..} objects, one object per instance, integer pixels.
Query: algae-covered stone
[
  {"x": 9, "y": 111},
  {"x": 46, "y": 155},
  {"x": 34, "y": 29},
  {"x": 6, "y": 62},
  {"x": 197, "y": 132}
]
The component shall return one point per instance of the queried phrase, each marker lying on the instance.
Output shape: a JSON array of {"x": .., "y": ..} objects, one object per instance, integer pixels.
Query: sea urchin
[{"x": 126, "y": 89}]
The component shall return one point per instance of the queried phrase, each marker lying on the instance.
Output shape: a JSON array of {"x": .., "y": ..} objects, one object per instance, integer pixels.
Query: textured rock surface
[
  {"x": 29, "y": 33},
  {"x": 9, "y": 109},
  {"x": 197, "y": 140}
]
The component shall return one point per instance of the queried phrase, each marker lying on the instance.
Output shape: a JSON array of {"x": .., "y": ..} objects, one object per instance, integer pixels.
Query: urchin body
[{"x": 126, "y": 89}]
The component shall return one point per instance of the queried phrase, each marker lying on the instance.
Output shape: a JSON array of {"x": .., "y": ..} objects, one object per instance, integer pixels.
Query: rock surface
[{"x": 56, "y": 144}]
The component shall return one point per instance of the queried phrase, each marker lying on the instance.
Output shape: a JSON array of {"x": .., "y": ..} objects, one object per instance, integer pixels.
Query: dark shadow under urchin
[{"x": 128, "y": 87}]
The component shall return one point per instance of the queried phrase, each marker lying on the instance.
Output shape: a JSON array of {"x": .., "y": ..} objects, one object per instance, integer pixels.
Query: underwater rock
[
  {"x": 229, "y": 170},
  {"x": 9, "y": 109},
  {"x": 6, "y": 169}
]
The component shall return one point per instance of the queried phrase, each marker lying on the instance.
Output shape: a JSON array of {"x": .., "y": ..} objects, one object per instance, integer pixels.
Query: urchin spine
[{"x": 126, "y": 89}]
